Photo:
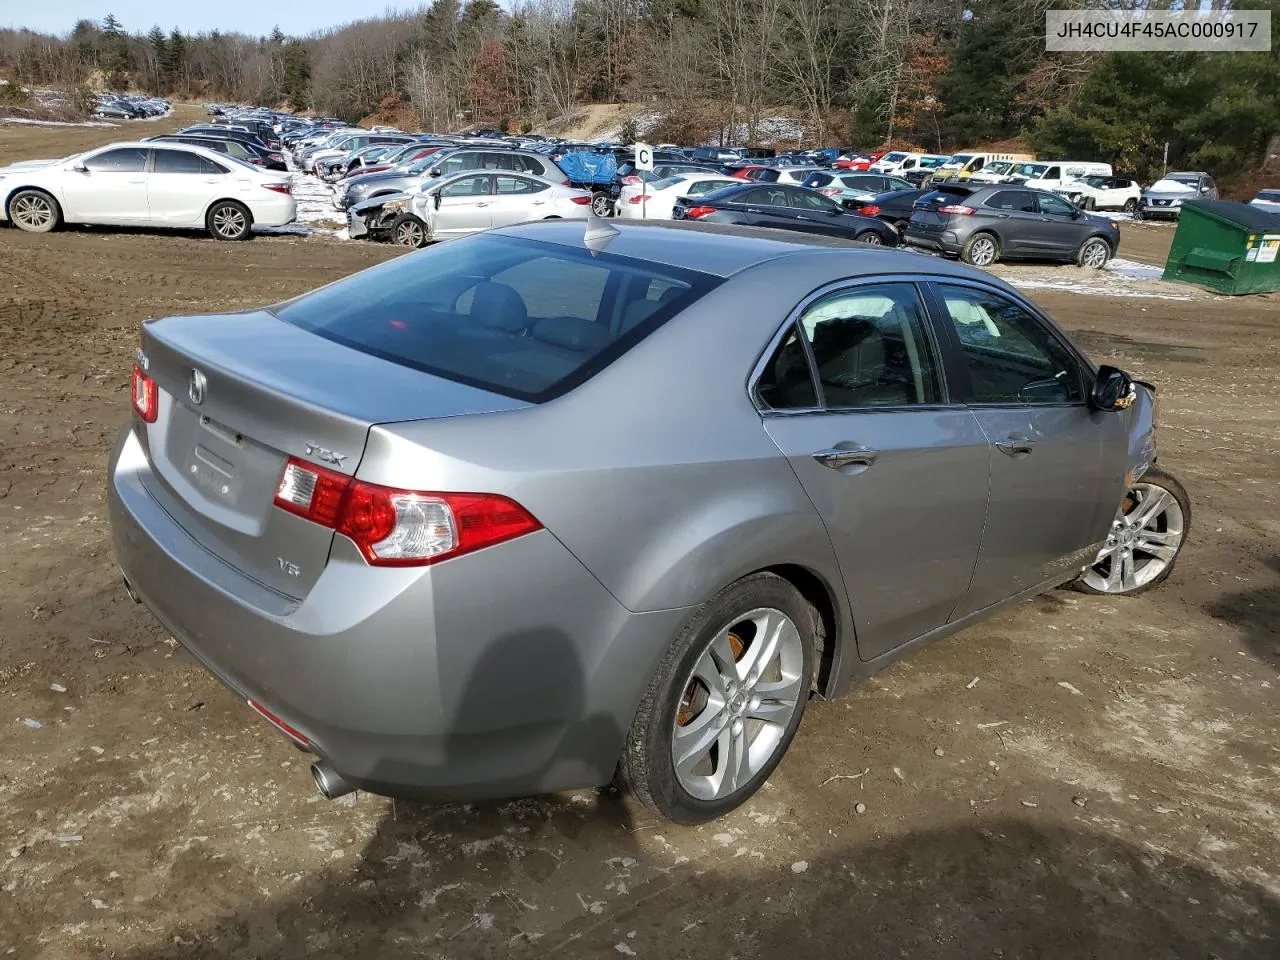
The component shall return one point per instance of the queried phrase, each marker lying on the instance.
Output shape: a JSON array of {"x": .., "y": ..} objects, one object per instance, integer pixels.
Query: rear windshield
[
  {"x": 895, "y": 157},
  {"x": 818, "y": 180},
  {"x": 525, "y": 319}
]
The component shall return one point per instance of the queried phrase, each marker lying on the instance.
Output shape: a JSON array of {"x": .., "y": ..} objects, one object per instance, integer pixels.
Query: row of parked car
[{"x": 123, "y": 106}]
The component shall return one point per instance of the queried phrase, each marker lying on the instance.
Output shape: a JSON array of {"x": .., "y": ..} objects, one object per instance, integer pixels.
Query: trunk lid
[{"x": 241, "y": 393}]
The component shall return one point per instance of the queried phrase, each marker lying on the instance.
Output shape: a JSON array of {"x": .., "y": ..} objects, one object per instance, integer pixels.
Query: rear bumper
[
  {"x": 274, "y": 213},
  {"x": 505, "y": 672},
  {"x": 946, "y": 242}
]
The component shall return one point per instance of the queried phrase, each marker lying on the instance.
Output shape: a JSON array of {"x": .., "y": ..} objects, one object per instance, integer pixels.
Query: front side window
[
  {"x": 466, "y": 187},
  {"x": 517, "y": 317},
  {"x": 1054, "y": 206},
  {"x": 123, "y": 160},
  {"x": 870, "y": 347},
  {"x": 803, "y": 199},
  {"x": 1012, "y": 356},
  {"x": 1053, "y": 173}
]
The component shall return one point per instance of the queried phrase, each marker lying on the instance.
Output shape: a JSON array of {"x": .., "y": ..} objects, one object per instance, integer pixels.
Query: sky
[{"x": 252, "y": 17}]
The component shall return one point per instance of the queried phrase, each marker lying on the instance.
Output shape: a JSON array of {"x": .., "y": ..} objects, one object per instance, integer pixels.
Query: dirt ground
[{"x": 1076, "y": 778}]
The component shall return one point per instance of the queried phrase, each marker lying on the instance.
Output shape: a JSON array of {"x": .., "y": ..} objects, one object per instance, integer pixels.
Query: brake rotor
[{"x": 696, "y": 695}]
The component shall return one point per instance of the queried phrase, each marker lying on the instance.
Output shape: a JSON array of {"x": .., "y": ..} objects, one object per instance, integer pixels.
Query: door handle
[
  {"x": 1002, "y": 216},
  {"x": 1016, "y": 447},
  {"x": 482, "y": 203},
  {"x": 1047, "y": 219},
  {"x": 536, "y": 203},
  {"x": 139, "y": 180},
  {"x": 838, "y": 457}
]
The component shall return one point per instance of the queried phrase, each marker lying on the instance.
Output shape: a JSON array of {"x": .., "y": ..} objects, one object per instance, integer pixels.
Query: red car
[
  {"x": 860, "y": 163},
  {"x": 751, "y": 172}
]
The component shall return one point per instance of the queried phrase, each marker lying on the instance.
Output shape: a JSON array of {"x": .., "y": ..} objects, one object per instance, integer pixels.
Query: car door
[
  {"x": 1015, "y": 218},
  {"x": 1057, "y": 466},
  {"x": 763, "y": 206},
  {"x": 854, "y": 396},
  {"x": 1059, "y": 229},
  {"x": 517, "y": 198},
  {"x": 181, "y": 185},
  {"x": 463, "y": 207},
  {"x": 815, "y": 213},
  {"x": 111, "y": 187}
]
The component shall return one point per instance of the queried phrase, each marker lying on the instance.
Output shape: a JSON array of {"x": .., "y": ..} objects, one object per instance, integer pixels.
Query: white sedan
[
  {"x": 149, "y": 185},
  {"x": 658, "y": 199}
]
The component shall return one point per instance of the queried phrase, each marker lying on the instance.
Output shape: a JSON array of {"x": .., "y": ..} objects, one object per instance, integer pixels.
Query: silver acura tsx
[{"x": 544, "y": 508}]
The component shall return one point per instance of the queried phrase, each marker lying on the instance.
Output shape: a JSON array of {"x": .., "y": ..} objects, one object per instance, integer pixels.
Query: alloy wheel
[
  {"x": 873, "y": 239},
  {"x": 1130, "y": 205},
  {"x": 601, "y": 205},
  {"x": 32, "y": 212},
  {"x": 1144, "y": 540},
  {"x": 983, "y": 252},
  {"x": 229, "y": 222},
  {"x": 737, "y": 704},
  {"x": 410, "y": 234},
  {"x": 1095, "y": 254}
]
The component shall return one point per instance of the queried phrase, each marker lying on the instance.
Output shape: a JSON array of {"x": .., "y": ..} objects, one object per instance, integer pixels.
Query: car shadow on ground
[
  {"x": 1003, "y": 888},
  {"x": 572, "y": 876},
  {"x": 294, "y": 229},
  {"x": 1256, "y": 612}
]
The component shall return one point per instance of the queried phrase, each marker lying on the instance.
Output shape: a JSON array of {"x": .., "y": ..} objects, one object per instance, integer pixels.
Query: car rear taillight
[
  {"x": 638, "y": 198},
  {"x": 693, "y": 213},
  {"x": 565, "y": 183},
  {"x": 831, "y": 191},
  {"x": 146, "y": 396},
  {"x": 581, "y": 201},
  {"x": 870, "y": 210},
  {"x": 959, "y": 209},
  {"x": 256, "y": 161},
  {"x": 285, "y": 188},
  {"x": 400, "y": 528},
  {"x": 631, "y": 179}
]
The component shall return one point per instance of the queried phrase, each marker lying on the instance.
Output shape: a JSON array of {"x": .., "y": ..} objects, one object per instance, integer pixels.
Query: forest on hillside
[{"x": 940, "y": 74}]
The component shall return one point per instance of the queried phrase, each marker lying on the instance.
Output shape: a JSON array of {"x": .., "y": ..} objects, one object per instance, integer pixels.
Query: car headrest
[
  {"x": 572, "y": 333},
  {"x": 497, "y": 305}
]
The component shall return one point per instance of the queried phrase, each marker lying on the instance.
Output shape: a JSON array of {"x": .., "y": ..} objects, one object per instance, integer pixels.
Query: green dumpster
[{"x": 1226, "y": 246}]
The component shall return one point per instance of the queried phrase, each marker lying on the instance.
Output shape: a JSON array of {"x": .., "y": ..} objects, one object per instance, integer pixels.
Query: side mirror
[
  {"x": 79, "y": 168},
  {"x": 1112, "y": 390},
  {"x": 1076, "y": 213},
  {"x": 434, "y": 172},
  {"x": 1204, "y": 189}
]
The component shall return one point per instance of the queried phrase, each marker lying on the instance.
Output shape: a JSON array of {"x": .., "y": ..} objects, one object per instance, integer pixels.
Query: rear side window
[
  {"x": 510, "y": 185},
  {"x": 180, "y": 161},
  {"x": 517, "y": 317},
  {"x": 1020, "y": 200},
  {"x": 124, "y": 160}
]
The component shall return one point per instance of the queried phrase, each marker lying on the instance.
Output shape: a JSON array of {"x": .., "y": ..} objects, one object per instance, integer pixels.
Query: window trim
[
  {"x": 921, "y": 284},
  {"x": 958, "y": 369}
]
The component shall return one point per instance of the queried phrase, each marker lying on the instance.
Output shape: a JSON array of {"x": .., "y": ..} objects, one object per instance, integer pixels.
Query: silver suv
[{"x": 1164, "y": 198}]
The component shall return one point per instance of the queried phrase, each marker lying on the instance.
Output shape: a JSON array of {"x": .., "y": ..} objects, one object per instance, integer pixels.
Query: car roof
[{"x": 727, "y": 249}]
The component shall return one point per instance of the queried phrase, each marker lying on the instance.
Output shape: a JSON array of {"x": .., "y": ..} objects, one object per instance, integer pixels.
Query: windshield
[
  {"x": 894, "y": 157},
  {"x": 960, "y": 159},
  {"x": 997, "y": 166},
  {"x": 667, "y": 182},
  {"x": 1186, "y": 179},
  {"x": 1269, "y": 195},
  {"x": 1093, "y": 181},
  {"x": 419, "y": 165},
  {"x": 1031, "y": 171},
  {"x": 931, "y": 161},
  {"x": 521, "y": 318}
]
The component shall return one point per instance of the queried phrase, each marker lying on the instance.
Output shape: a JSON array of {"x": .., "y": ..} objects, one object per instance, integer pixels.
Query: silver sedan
[
  {"x": 546, "y": 505},
  {"x": 467, "y": 203}
]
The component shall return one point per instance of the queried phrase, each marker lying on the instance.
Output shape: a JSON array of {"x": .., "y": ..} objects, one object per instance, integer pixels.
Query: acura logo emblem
[{"x": 197, "y": 387}]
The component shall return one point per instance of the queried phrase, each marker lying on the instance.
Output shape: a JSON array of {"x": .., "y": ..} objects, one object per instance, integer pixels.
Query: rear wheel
[
  {"x": 724, "y": 703},
  {"x": 981, "y": 250},
  {"x": 1145, "y": 539},
  {"x": 1130, "y": 205},
  {"x": 229, "y": 220},
  {"x": 602, "y": 205},
  {"x": 1089, "y": 203},
  {"x": 901, "y": 227},
  {"x": 34, "y": 211},
  {"x": 1094, "y": 252},
  {"x": 408, "y": 231},
  {"x": 869, "y": 236}
]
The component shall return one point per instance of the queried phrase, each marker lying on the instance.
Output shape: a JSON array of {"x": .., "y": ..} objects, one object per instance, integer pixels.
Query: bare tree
[{"x": 811, "y": 31}]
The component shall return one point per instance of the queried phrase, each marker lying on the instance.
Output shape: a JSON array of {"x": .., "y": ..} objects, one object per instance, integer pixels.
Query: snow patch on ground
[
  {"x": 57, "y": 123},
  {"x": 316, "y": 213}
]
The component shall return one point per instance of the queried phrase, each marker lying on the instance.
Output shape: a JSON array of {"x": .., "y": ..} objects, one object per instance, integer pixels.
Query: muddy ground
[{"x": 1108, "y": 787}]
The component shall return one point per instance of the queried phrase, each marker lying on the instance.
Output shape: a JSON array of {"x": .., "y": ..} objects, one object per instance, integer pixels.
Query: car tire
[
  {"x": 717, "y": 775},
  {"x": 1089, "y": 203},
  {"x": 982, "y": 249},
  {"x": 1130, "y": 205},
  {"x": 869, "y": 237},
  {"x": 1138, "y": 214},
  {"x": 408, "y": 231},
  {"x": 1094, "y": 252},
  {"x": 34, "y": 211},
  {"x": 602, "y": 205},
  {"x": 901, "y": 227},
  {"x": 1171, "y": 525},
  {"x": 229, "y": 220}
]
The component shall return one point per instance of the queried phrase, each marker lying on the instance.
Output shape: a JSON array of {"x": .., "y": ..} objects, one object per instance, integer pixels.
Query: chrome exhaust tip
[{"x": 330, "y": 785}]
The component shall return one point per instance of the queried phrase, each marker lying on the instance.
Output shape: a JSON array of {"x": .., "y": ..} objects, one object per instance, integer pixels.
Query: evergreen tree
[
  {"x": 176, "y": 60},
  {"x": 297, "y": 74}
]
